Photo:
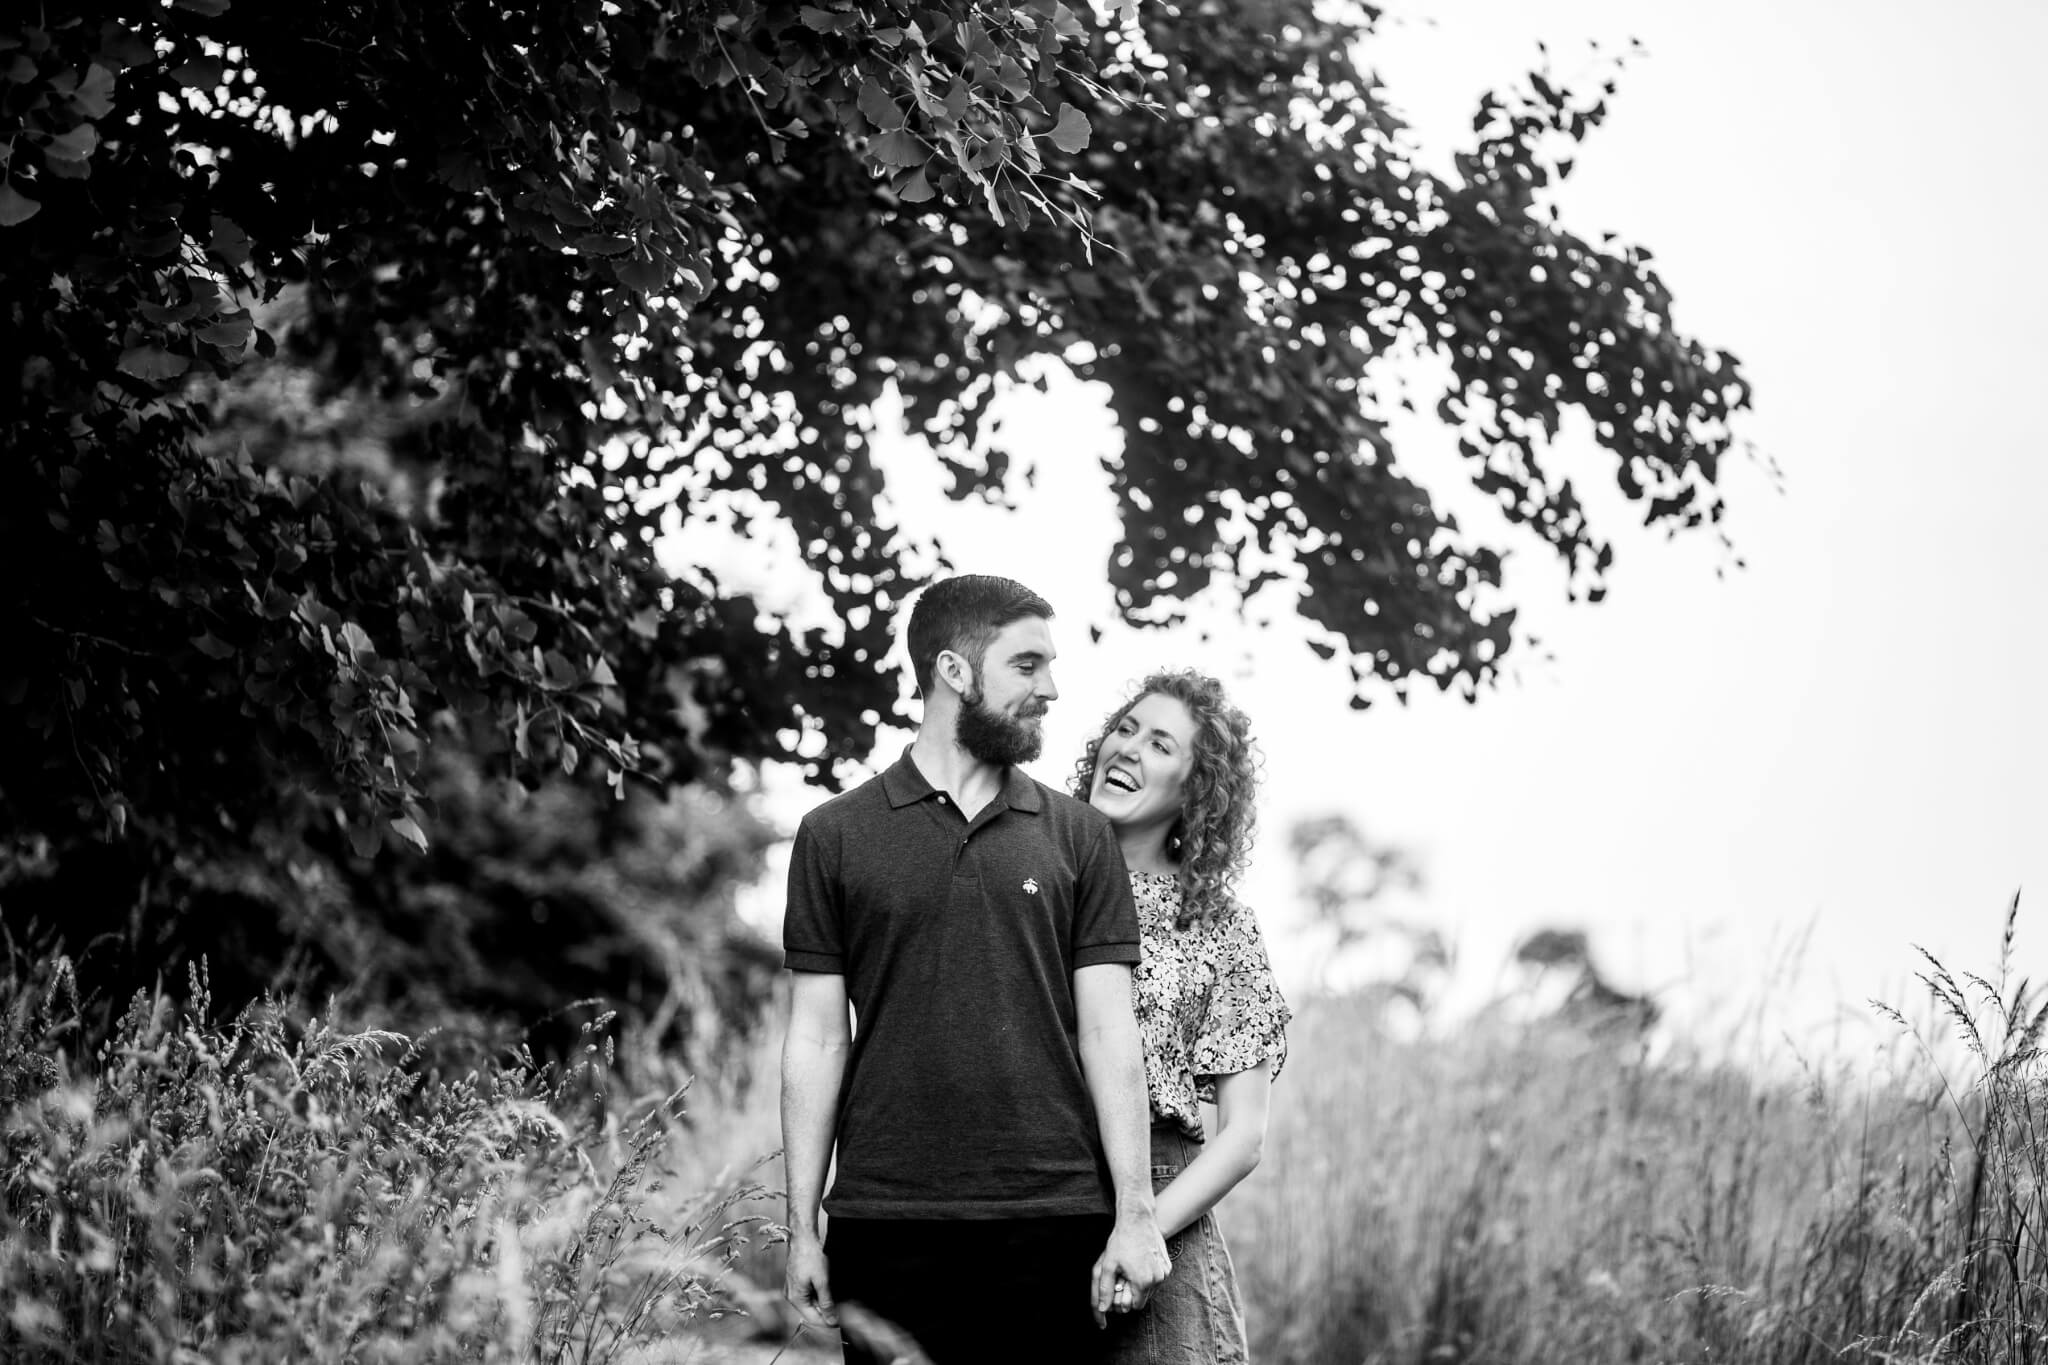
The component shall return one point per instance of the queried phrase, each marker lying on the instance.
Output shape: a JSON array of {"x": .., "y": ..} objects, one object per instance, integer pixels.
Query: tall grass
[
  {"x": 1549, "y": 1195},
  {"x": 278, "y": 1188}
]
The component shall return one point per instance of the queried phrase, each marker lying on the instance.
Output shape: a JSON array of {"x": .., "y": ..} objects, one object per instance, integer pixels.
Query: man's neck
[{"x": 970, "y": 781}]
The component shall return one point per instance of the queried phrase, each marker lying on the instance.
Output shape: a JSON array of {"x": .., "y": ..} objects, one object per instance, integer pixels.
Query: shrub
[{"x": 283, "y": 1188}]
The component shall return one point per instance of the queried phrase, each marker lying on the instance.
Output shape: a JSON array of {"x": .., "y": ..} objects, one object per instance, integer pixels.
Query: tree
[
  {"x": 1345, "y": 879},
  {"x": 552, "y": 262}
]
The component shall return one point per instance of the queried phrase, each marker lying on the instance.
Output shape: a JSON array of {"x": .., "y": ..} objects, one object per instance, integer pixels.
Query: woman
[{"x": 1174, "y": 771}]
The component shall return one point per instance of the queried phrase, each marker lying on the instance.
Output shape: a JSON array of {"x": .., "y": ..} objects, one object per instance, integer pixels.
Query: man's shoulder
[
  {"x": 853, "y": 805},
  {"x": 1070, "y": 811}
]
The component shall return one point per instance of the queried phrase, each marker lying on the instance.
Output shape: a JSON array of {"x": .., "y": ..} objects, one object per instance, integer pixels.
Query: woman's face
[{"x": 1142, "y": 766}]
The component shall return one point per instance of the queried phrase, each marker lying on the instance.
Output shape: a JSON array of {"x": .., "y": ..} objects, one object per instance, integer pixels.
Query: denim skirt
[{"x": 1195, "y": 1316}]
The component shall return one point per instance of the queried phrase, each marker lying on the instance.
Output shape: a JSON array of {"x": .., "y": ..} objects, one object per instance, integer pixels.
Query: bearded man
[{"x": 987, "y": 1113}]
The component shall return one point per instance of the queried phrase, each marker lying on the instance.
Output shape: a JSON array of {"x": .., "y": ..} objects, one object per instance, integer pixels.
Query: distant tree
[
  {"x": 535, "y": 271},
  {"x": 1588, "y": 999},
  {"x": 1346, "y": 878}
]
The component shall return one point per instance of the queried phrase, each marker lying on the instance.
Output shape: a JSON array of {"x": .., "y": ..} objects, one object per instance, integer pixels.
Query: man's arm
[
  {"x": 813, "y": 1064},
  {"x": 1113, "y": 1060}
]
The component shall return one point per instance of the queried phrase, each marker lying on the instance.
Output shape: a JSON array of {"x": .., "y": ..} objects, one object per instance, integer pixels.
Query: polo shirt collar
[
  {"x": 905, "y": 785},
  {"x": 1020, "y": 792}
]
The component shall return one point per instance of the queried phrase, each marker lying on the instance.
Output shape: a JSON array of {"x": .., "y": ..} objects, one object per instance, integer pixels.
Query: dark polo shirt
[{"x": 963, "y": 1096}]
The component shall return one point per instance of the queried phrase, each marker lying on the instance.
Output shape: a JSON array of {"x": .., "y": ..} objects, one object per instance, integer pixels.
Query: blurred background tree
[
  {"x": 365, "y": 355},
  {"x": 1347, "y": 880}
]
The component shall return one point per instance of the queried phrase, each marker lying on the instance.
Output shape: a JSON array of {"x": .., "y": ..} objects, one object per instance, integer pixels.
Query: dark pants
[{"x": 966, "y": 1290}]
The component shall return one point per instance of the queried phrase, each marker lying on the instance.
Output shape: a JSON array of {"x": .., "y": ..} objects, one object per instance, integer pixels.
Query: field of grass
[
  {"x": 1551, "y": 1195},
  {"x": 275, "y": 1188}
]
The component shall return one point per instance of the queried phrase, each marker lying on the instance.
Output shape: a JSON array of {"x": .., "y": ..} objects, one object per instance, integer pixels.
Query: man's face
[{"x": 1001, "y": 716}]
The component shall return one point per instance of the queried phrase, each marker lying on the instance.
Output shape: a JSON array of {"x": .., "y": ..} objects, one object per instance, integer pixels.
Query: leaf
[
  {"x": 915, "y": 188},
  {"x": 560, "y": 672},
  {"x": 153, "y": 363},
  {"x": 1016, "y": 84},
  {"x": 229, "y": 242},
  {"x": 1070, "y": 134},
  {"x": 825, "y": 21},
  {"x": 900, "y": 148},
  {"x": 365, "y": 840},
  {"x": 877, "y": 107},
  {"x": 409, "y": 830},
  {"x": 201, "y": 73},
  {"x": 163, "y": 242},
  {"x": 569, "y": 213},
  {"x": 94, "y": 96},
  {"x": 603, "y": 244},
  {"x": 640, "y": 273},
  {"x": 212, "y": 9},
  {"x": 602, "y": 674},
  {"x": 357, "y": 639},
  {"x": 232, "y": 330},
  {"x": 75, "y": 145},
  {"x": 212, "y": 646},
  {"x": 16, "y": 207},
  {"x": 125, "y": 48}
]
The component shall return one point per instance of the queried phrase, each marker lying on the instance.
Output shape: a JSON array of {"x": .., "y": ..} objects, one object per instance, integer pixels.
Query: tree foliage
[{"x": 566, "y": 270}]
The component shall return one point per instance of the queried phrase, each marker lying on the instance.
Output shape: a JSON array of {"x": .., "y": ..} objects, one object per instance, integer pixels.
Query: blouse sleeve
[{"x": 1246, "y": 1019}]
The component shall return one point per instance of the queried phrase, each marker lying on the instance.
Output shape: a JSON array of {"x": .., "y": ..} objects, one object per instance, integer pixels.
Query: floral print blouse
[{"x": 1206, "y": 1001}]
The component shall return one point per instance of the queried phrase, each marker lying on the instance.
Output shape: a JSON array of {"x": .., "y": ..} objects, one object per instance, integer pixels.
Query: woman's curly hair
[{"x": 1212, "y": 839}]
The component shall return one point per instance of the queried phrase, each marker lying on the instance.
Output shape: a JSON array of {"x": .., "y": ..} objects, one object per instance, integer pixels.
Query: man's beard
[{"x": 993, "y": 737}]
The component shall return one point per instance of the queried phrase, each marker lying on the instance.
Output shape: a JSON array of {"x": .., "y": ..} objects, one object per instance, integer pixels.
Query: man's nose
[{"x": 1047, "y": 688}]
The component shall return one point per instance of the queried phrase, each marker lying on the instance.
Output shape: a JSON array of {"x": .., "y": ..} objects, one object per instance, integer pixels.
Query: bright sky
[{"x": 1834, "y": 741}]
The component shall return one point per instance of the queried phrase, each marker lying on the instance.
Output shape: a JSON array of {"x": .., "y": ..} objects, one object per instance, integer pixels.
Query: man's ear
[{"x": 952, "y": 668}]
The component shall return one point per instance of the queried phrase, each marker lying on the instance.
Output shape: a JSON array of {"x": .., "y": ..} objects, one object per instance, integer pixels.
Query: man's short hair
[{"x": 965, "y": 614}]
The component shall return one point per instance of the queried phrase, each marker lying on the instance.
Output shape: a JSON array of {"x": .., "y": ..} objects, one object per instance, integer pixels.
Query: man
[{"x": 993, "y": 1095}]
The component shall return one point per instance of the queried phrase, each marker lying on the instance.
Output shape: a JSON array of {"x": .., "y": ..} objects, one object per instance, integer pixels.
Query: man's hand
[
  {"x": 807, "y": 1284},
  {"x": 1137, "y": 1255}
]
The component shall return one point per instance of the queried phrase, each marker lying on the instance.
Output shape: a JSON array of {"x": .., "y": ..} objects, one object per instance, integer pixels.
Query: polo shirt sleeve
[
  {"x": 1105, "y": 916},
  {"x": 811, "y": 932}
]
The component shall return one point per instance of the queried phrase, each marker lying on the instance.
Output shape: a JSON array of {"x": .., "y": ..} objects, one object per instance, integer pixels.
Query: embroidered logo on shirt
[{"x": 1031, "y": 886}]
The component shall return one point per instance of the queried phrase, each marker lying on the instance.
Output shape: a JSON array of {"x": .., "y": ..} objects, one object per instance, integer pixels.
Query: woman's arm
[{"x": 1242, "y": 1101}]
